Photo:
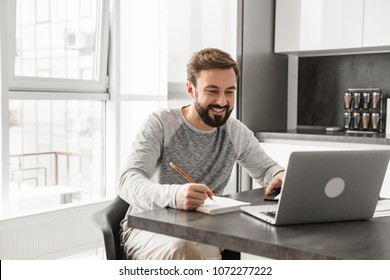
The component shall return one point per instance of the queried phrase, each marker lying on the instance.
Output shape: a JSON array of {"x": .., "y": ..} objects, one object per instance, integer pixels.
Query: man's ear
[{"x": 190, "y": 89}]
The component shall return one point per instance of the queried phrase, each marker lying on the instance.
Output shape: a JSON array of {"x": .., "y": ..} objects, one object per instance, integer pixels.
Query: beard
[{"x": 213, "y": 120}]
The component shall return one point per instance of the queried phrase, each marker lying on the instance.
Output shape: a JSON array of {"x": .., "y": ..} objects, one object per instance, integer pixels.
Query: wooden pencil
[{"x": 188, "y": 178}]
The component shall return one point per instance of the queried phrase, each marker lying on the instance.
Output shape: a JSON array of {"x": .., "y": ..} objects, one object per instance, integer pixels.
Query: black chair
[{"x": 108, "y": 221}]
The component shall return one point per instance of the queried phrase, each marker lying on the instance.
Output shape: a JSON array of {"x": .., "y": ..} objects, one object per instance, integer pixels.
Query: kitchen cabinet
[
  {"x": 376, "y": 23},
  {"x": 310, "y": 25}
]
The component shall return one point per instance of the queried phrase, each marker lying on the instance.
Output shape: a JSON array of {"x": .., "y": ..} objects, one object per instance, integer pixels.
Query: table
[{"x": 240, "y": 232}]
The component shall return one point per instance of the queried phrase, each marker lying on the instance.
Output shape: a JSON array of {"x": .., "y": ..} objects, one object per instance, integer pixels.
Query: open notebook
[{"x": 221, "y": 205}]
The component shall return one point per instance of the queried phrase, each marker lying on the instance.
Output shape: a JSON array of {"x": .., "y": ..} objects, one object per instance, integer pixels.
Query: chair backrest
[{"x": 108, "y": 221}]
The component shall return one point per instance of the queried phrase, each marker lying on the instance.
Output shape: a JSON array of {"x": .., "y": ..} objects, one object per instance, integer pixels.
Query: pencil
[{"x": 188, "y": 178}]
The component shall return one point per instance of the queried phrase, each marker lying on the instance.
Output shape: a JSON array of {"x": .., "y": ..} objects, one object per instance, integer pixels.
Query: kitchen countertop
[{"x": 320, "y": 134}]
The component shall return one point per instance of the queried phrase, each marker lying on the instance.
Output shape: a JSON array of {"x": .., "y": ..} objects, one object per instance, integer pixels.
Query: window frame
[
  {"x": 36, "y": 88},
  {"x": 22, "y": 85}
]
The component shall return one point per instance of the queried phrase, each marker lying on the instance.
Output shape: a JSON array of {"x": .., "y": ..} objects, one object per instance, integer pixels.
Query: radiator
[{"x": 50, "y": 235}]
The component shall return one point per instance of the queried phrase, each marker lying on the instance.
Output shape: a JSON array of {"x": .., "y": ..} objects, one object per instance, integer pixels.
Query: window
[
  {"x": 55, "y": 152},
  {"x": 67, "y": 128},
  {"x": 55, "y": 44},
  {"x": 62, "y": 40},
  {"x": 63, "y": 125},
  {"x": 56, "y": 103}
]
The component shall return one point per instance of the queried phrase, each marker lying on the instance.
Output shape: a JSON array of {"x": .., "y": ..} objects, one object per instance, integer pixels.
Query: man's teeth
[{"x": 218, "y": 110}]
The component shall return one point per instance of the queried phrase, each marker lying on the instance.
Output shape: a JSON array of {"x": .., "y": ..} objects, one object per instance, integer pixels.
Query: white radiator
[{"x": 50, "y": 235}]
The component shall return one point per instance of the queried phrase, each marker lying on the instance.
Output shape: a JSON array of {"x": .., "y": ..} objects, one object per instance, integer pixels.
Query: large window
[
  {"x": 69, "y": 114},
  {"x": 57, "y": 94},
  {"x": 64, "y": 124}
]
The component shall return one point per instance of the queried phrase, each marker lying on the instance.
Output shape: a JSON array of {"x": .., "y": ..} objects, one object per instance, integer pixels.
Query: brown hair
[{"x": 208, "y": 59}]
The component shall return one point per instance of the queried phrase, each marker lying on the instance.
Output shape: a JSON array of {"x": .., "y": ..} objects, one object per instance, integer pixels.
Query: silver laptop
[{"x": 327, "y": 186}]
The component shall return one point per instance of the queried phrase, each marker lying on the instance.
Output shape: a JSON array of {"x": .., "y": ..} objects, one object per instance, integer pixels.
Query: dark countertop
[{"x": 320, "y": 134}]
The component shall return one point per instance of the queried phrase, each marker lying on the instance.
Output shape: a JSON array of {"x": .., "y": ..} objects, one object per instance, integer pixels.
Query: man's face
[{"x": 214, "y": 95}]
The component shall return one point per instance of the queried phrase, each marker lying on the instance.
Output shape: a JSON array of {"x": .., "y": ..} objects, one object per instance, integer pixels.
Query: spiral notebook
[{"x": 221, "y": 205}]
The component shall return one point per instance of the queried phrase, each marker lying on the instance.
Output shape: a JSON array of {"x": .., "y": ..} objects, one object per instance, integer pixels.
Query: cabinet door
[
  {"x": 376, "y": 23},
  {"x": 307, "y": 25}
]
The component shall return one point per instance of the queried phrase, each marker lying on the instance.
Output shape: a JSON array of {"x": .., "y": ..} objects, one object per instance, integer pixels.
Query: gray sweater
[{"x": 208, "y": 157}]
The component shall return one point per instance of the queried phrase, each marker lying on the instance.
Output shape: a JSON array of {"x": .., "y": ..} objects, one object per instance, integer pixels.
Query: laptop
[{"x": 327, "y": 186}]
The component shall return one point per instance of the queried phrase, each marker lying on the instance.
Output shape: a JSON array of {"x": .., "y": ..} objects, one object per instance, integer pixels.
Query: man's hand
[
  {"x": 191, "y": 196},
  {"x": 276, "y": 182}
]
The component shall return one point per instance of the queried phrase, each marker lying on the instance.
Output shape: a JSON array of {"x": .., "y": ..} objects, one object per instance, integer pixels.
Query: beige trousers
[{"x": 145, "y": 245}]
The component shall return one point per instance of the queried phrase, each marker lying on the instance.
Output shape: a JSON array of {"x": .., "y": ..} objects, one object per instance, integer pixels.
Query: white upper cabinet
[
  {"x": 317, "y": 25},
  {"x": 376, "y": 23}
]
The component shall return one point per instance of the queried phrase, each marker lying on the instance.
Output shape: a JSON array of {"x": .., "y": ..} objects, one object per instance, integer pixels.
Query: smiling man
[{"x": 205, "y": 143}]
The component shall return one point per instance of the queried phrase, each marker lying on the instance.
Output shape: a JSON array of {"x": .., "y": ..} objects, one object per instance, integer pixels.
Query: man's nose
[{"x": 221, "y": 101}]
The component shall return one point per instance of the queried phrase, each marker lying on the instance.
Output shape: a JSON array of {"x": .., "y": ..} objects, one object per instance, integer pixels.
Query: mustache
[{"x": 218, "y": 107}]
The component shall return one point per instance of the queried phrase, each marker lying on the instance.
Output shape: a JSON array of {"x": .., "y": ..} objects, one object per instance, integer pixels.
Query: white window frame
[
  {"x": 19, "y": 85},
  {"x": 35, "y": 88},
  {"x": 4, "y": 110}
]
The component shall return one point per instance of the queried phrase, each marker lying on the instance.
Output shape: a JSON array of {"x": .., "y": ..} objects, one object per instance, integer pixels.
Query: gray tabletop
[{"x": 240, "y": 232}]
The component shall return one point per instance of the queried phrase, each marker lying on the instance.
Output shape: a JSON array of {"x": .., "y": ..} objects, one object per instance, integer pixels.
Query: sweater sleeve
[
  {"x": 136, "y": 185},
  {"x": 250, "y": 155}
]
